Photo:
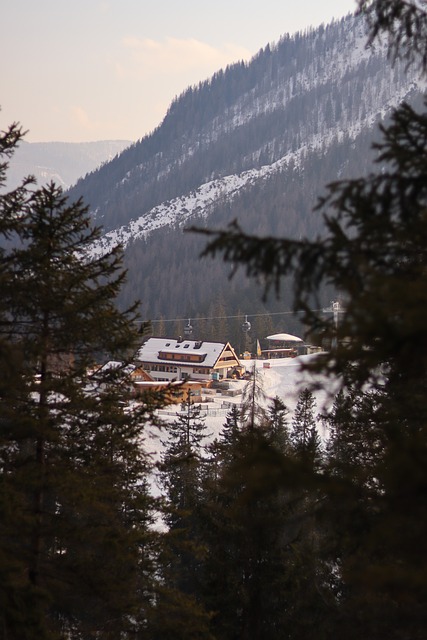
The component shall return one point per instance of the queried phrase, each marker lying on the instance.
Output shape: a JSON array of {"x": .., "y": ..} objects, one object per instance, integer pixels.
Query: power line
[{"x": 241, "y": 315}]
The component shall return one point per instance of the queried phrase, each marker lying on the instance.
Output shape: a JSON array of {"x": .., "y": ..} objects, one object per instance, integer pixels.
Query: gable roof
[{"x": 158, "y": 350}]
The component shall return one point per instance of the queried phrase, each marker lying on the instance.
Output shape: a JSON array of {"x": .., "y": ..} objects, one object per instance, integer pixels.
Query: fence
[{"x": 205, "y": 412}]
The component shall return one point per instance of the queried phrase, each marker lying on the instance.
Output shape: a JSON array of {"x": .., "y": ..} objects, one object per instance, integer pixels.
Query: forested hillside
[{"x": 264, "y": 138}]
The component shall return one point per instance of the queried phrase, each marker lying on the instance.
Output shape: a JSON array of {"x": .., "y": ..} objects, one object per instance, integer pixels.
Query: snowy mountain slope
[
  {"x": 256, "y": 142},
  {"x": 335, "y": 59},
  {"x": 304, "y": 92},
  {"x": 201, "y": 201}
]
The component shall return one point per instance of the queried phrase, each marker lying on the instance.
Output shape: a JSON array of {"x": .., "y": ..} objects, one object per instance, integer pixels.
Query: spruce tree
[
  {"x": 75, "y": 510},
  {"x": 354, "y": 436},
  {"x": 181, "y": 461},
  {"x": 240, "y": 540},
  {"x": 229, "y": 435},
  {"x": 259, "y": 575},
  {"x": 354, "y": 450},
  {"x": 304, "y": 435},
  {"x": 253, "y": 412},
  {"x": 278, "y": 427},
  {"x": 181, "y": 471},
  {"x": 373, "y": 253}
]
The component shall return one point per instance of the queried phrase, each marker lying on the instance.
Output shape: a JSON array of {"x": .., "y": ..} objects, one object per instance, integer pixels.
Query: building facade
[{"x": 167, "y": 359}]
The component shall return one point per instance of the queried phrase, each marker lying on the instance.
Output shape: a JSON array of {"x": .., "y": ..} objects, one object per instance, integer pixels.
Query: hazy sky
[{"x": 82, "y": 70}]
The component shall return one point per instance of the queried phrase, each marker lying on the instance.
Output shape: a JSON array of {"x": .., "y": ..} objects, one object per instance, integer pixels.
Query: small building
[
  {"x": 168, "y": 359},
  {"x": 283, "y": 345},
  {"x": 170, "y": 392},
  {"x": 138, "y": 374},
  {"x": 141, "y": 384}
]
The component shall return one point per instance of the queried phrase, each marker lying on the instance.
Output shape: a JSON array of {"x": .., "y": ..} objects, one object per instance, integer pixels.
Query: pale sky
[{"x": 85, "y": 70}]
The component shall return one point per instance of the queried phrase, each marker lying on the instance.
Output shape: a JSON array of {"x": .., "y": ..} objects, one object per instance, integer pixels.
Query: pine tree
[
  {"x": 260, "y": 575},
  {"x": 354, "y": 451},
  {"x": 278, "y": 427},
  {"x": 354, "y": 436},
  {"x": 179, "y": 613},
  {"x": 232, "y": 425},
  {"x": 75, "y": 510},
  {"x": 181, "y": 461},
  {"x": 257, "y": 534},
  {"x": 304, "y": 435},
  {"x": 373, "y": 254},
  {"x": 238, "y": 538},
  {"x": 403, "y": 23},
  {"x": 253, "y": 413},
  {"x": 229, "y": 435},
  {"x": 181, "y": 473}
]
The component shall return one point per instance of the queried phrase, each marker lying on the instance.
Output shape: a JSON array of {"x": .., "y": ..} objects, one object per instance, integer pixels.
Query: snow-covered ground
[{"x": 279, "y": 377}]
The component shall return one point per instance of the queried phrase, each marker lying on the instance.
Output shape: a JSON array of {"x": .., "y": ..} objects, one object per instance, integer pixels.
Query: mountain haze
[
  {"x": 258, "y": 142},
  {"x": 62, "y": 162}
]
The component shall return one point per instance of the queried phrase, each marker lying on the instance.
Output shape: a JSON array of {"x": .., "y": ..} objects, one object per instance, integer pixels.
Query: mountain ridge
[
  {"x": 257, "y": 142},
  {"x": 142, "y": 165}
]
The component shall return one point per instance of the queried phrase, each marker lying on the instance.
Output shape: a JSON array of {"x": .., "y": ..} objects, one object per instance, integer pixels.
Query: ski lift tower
[
  {"x": 246, "y": 327},
  {"x": 188, "y": 329},
  {"x": 335, "y": 309}
]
